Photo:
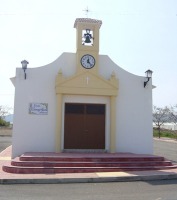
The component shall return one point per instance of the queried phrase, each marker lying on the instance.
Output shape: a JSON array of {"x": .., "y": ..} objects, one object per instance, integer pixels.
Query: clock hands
[{"x": 88, "y": 61}]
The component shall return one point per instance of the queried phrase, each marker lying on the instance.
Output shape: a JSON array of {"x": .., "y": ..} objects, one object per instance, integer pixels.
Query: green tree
[
  {"x": 161, "y": 116},
  {"x": 174, "y": 114},
  {"x": 4, "y": 110},
  {"x": 174, "y": 117}
]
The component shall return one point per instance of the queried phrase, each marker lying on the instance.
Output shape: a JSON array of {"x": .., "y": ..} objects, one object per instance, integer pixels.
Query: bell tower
[{"x": 87, "y": 44}]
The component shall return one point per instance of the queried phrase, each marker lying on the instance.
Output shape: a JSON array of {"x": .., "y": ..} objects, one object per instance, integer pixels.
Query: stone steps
[
  {"x": 49, "y": 170},
  {"x": 44, "y": 163},
  {"x": 88, "y": 164}
]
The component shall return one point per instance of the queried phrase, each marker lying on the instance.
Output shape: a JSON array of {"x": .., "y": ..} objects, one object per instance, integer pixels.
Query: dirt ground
[{"x": 5, "y": 131}]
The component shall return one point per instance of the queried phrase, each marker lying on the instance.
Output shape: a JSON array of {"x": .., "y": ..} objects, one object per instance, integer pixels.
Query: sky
[{"x": 136, "y": 34}]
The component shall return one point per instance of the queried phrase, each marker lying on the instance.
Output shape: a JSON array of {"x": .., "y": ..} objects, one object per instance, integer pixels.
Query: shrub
[
  {"x": 165, "y": 133},
  {"x": 4, "y": 123}
]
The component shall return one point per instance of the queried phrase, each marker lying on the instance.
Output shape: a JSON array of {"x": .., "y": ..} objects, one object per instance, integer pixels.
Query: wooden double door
[{"x": 84, "y": 126}]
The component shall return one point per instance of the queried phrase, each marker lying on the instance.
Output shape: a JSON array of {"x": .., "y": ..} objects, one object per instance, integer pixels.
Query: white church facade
[{"x": 82, "y": 101}]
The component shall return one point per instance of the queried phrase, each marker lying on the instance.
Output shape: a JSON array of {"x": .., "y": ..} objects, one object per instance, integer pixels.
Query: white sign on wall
[{"x": 38, "y": 108}]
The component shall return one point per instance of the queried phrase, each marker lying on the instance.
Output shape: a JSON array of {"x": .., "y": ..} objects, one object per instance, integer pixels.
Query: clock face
[{"x": 87, "y": 61}]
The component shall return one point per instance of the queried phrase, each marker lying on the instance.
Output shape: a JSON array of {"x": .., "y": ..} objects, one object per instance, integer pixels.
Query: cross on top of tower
[{"x": 86, "y": 11}]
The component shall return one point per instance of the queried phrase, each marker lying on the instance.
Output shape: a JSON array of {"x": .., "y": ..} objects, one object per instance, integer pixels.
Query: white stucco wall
[
  {"x": 134, "y": 110},
  {"x": 37, "y": 132}
]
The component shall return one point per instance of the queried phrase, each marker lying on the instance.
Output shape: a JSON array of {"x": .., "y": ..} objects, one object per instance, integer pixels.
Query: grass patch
[{"x": 165, "y": 133}]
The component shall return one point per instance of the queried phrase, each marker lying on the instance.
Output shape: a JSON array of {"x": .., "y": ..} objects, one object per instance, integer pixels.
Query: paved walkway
[
  {"x": 8, "y": 178},
  {"x": 166, "y": 139}
]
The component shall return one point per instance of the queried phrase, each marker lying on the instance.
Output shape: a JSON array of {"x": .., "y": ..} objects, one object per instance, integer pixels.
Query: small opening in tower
[{"x": 87, "y": 37}]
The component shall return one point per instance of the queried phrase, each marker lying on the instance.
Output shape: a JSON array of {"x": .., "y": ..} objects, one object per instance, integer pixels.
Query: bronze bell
[{"x": 87, "y": 36}]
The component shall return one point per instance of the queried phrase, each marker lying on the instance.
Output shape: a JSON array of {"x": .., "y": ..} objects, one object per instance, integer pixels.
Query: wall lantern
[
  {"x": 148, "y": 76},
  {"x": 24, "y": 66}
]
